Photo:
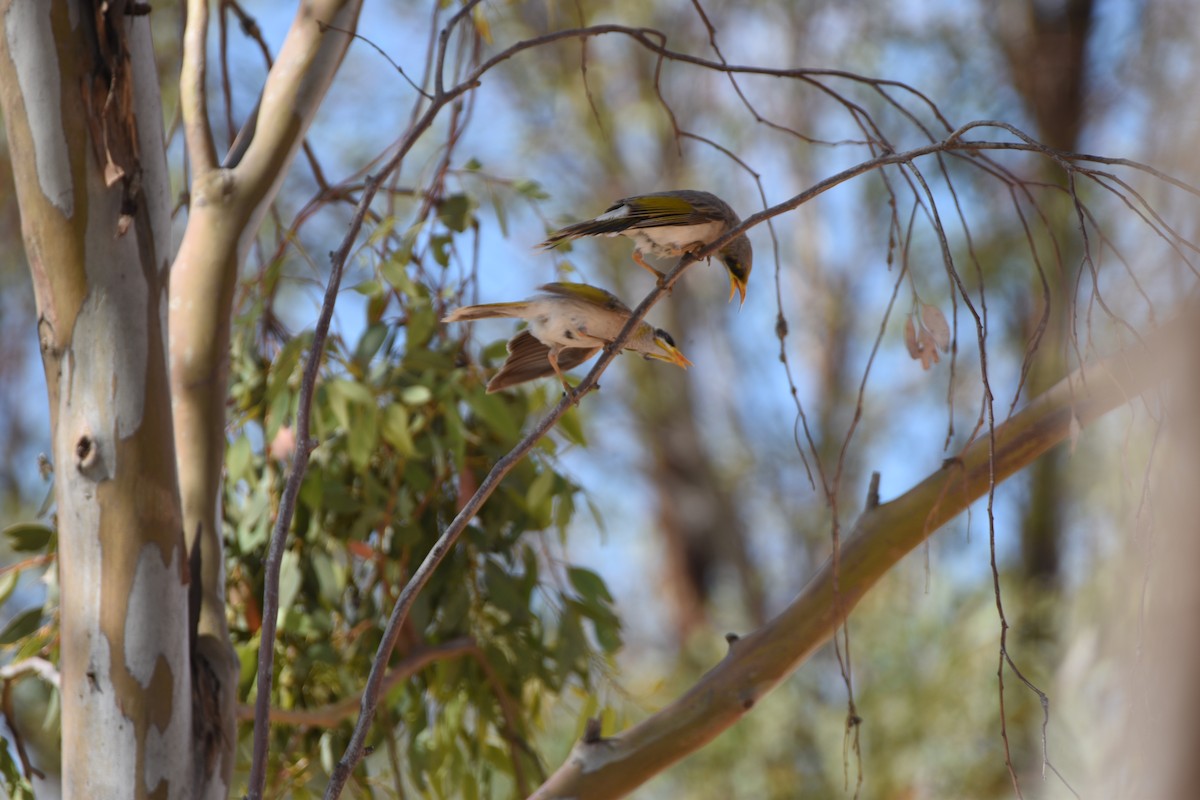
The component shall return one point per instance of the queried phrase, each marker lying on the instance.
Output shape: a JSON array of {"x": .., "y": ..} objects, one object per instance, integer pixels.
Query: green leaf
[
  {"x": 452, "y": 609},
  {"x": 454, "y": 212},
  {"x": 503, "y": 591},
  {"x": 501, "y": 214},
  {"x": 589, "y": 585},
  {"x": 353, "y": 392},
  {"x": 395, "y": 429},
  {"x": 252, "y": 527},
  {"x": 289, "y": 581},
  {"x": 564, "y": 510},
  {"x": 537, "y": 498},
  {"x": 608, "y": 635},
  {"x": 330, "y": 578},
  {"x": 421, "y": 324},
  {"x": 279, "y": 412},
  {"x": 238, "y": 458},
  {"x": 416, "y": 395},
  {"x": 381, "y": 231},
  {"x": 572, "y": 645},
  {"x": 531, "y": 189},
  {"x": 368, "y": 288},
  {"x": 494, "y": 411},
  {"x": 396, "y": 275},
  {"x": 28, "y": 536},
  {"x": 363, "y": 436},
  {"x": 370, "y": 342},
  {"x": 440, "y": 245},
  {"x": 21, "y": 626},
  {"x": 8, "y": 582},
  {"x": 570, "y": 425},
  {"x": 284, "y": 365}
]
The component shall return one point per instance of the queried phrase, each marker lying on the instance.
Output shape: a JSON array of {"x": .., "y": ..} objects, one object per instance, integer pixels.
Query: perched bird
[
  {"x": 568, "y": 324},
  {"x": 668, "y": 225}
]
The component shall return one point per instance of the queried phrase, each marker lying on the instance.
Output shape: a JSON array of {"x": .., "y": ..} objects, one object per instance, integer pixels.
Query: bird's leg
[
  {"x": 696, "y": 247},
  {"x": 641, "y": 262},
  {"x": 552, "y": 357}
]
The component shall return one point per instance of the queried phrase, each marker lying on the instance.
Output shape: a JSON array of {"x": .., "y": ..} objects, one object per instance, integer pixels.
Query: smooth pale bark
[{"x": 82, "y": 110}]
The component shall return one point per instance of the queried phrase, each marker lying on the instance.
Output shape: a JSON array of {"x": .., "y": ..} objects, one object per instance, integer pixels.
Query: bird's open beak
[
  {"x": 737, "y": 286},
  {"x": 671, "y": 355}
]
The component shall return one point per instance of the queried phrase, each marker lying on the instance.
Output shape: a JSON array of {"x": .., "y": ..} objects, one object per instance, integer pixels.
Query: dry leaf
[
  {"x": 910, "y": 339},
  {"x": 934, "y": 321},
  {"x": 112, "y": 173},
  {"x": 928, "y": 349}
]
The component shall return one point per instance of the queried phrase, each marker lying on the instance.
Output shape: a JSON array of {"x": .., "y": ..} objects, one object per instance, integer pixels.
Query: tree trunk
[{"x": 81, "y": 105}]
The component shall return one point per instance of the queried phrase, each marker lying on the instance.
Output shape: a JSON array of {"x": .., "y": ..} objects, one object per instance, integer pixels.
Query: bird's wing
[
  {"x": 528, "y": 359},
  {"x": 668, "y": 208},
  {"x": 592, "y": 295},
  {"x": 679, "y": 207}
]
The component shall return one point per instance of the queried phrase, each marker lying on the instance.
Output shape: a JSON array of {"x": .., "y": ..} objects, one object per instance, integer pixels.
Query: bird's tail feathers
[
  {"x": 485, "y": 311},
  {"x": 591, "y": 227}
]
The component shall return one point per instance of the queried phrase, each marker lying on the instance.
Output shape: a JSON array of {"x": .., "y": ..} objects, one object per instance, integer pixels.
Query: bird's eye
[{"x": 666, "y": 337}]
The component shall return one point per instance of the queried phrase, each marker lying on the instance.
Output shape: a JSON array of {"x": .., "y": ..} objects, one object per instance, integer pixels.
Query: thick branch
[
  {"x": 293, "y": 92},
  {"x": 884, "y": 534},
  {"x": 226, "y": 208}
]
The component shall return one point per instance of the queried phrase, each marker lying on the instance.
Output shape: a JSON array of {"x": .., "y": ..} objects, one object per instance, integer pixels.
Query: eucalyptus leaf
[
  {"x": 22, "y": 625},
  {"x": 28, "y": 536}
]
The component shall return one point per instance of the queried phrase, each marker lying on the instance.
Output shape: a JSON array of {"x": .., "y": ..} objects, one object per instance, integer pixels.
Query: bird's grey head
[{"x": 738, "y": 258}]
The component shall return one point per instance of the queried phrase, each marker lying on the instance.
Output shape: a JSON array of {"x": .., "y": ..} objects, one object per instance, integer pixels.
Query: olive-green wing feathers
[{"x": 588, "y": 294}]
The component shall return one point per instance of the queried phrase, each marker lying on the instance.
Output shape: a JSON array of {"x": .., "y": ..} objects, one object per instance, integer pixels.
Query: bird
[
  {"x": 668, "y": 225},
  {"x": 568, "y": 324}
]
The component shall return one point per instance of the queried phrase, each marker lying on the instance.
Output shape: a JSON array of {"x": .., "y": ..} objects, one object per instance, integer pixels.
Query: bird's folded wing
[
  {"x": 652, "y": 211},
  {"x": 588, "y": 294},
  {"x": 528, "y": 359}
]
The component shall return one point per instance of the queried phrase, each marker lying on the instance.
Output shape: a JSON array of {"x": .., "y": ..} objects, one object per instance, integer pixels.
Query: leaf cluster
[{"x": 405, "y": 432}]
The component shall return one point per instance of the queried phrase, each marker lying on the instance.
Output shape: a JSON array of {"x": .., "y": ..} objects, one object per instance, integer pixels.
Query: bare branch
[
  {"x": 193, "y": 100},
  {"x": 296, "y": 85}
]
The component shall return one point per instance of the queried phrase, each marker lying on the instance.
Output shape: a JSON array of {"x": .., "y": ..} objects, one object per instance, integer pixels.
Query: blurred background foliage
[{"x": 672, "y": 507}]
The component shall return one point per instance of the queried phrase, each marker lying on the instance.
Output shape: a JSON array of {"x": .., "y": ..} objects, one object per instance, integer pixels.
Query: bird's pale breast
[
  {"x": 670, "y": 241},
  {"x": 569, "y": 324}
]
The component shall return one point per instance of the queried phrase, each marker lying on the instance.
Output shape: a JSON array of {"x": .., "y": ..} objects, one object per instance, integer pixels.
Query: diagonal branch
[{"x": 608, "y": 768}]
